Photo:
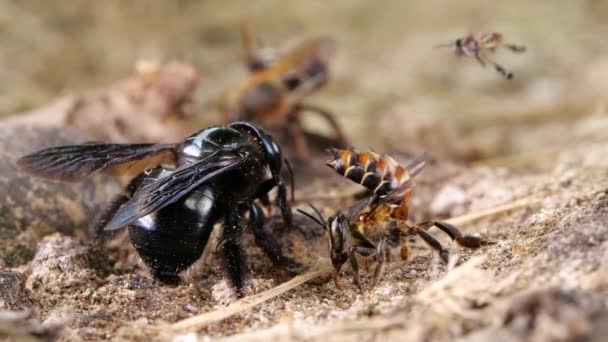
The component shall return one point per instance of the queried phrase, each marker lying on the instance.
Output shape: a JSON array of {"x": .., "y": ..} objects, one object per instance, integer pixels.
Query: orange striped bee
[
  {"x": 276, "y": 86},
  {"x": 378, "y": 225},
  {"x": 477, "y": 44}
]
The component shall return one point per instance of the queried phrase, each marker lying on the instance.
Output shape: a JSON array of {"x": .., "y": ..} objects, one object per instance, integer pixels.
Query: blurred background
[{"x": 390, "y": 88}]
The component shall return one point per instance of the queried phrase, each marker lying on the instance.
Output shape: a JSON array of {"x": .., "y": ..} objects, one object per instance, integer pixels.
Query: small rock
[
  {"x": 32, "y": 207},
  {"x": 13, "y": 294},
  {"x": 62, "y": 263},
  {"x": 448, "y": 197}
]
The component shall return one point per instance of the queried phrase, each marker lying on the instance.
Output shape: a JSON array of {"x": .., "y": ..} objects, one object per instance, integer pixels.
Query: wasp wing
[
  {"x": 406, "y": 176},
  {"x": 76, "y": 162},
  {"x": 158, "y": 194}
]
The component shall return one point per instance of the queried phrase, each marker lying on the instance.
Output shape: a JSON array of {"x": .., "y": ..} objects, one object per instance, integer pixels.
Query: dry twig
[
  {"x": 522, "y": 203},
  {"x": 197, "y": 322}
]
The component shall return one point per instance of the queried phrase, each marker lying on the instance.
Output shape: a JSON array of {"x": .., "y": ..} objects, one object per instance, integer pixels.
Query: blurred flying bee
[
  {"x": 477, "y": 44},
  {"x": 377, "y": 225},
  {"x": 180, "y": 192},
  {"x": 277, "y": 85}
]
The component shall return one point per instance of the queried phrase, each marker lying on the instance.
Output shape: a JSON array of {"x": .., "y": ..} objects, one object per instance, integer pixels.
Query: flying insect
[
  {"x": 276, "y": 87},
  {"x": 180, "y": 191},
  {"x": 479, "y": 44}
]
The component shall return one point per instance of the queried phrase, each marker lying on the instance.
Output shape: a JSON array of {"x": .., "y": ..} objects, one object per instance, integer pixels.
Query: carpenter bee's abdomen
[{"x": 378, "y": 173}]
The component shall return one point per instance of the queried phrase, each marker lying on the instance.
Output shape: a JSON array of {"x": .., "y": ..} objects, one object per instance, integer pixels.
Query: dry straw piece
[
  {"x": 197, "y": 322},
  {"x": 240, "y": 305}
]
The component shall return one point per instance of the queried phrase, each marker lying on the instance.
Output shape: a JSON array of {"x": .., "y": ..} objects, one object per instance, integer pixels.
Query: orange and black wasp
[
  {"x": 377, "y": 225},
  {"x": 478, "y": 44},
  {"x": 277, "y": 85}
]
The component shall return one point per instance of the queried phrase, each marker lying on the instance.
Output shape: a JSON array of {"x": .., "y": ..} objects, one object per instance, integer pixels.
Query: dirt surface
[
  {"x": 539, "y": 137},
  {"x": 555, "y": 247}
]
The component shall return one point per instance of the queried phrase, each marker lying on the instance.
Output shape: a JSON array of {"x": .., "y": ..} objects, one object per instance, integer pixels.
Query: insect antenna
[
  {"x": 320, "y": 220},
  {"x": 291, "y": 180}
]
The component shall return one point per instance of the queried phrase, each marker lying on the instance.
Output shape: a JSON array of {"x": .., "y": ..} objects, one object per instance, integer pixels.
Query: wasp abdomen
[{"x": 380, "y": 174}]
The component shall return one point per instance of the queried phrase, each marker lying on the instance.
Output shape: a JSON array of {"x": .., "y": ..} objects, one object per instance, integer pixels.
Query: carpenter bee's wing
[
  {"x": 158, "y": 194},
  {"x": 76, "y": 162}
]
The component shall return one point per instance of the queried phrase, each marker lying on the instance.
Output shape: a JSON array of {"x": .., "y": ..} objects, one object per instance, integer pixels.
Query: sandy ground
[{"x": 553, "y": 248}]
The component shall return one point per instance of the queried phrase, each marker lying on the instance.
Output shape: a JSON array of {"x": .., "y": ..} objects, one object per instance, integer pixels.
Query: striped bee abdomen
[{"x": 378, "y": 173}]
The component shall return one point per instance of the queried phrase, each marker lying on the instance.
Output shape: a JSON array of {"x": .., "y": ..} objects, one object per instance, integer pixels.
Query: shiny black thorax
[{"x": 242, "y": 183}]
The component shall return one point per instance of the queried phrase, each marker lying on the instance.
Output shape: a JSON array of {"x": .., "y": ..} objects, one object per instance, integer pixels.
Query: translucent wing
[
  {"x": 157, "y": 195},
  {"x": 76, "y": 162},
  {"x": 406, "y": 179}
]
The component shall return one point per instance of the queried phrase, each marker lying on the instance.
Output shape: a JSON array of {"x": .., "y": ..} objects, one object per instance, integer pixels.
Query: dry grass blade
[
  {"x": 522, "y": 203},
  {"x": 344, "y": 330},
  {"x": 197, "y": 322}
]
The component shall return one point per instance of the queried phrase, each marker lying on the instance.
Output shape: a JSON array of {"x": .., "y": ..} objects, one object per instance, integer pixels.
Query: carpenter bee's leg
[
  {"x": 231, "y": 252},
  {"x": 382, "y": 251},
  {"x": 294, "y": 127},
  {"x": 468, "y": 241},
  {"x": 265, "y": 200},
  {"x": 285, "y": 208},
  {"x": 96, "y": 230},
  {"x": 431, "y": 241},
  {"x": 283, "y": 204},
  {"x": 266, "y": 241},
  {"x": 364, "y": 252},
  {"x": 330, "y": 118}
]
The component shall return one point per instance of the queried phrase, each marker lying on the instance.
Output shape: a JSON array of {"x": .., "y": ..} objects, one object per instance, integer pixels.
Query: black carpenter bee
[
  {"x": 377, "y": 225},
  {"x": 215, "y": 175}
]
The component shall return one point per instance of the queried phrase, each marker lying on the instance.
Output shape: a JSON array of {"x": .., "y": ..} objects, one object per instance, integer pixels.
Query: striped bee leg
[
  {"x": 468, "y": 241},
  {"x": 431, "y": 241}
]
